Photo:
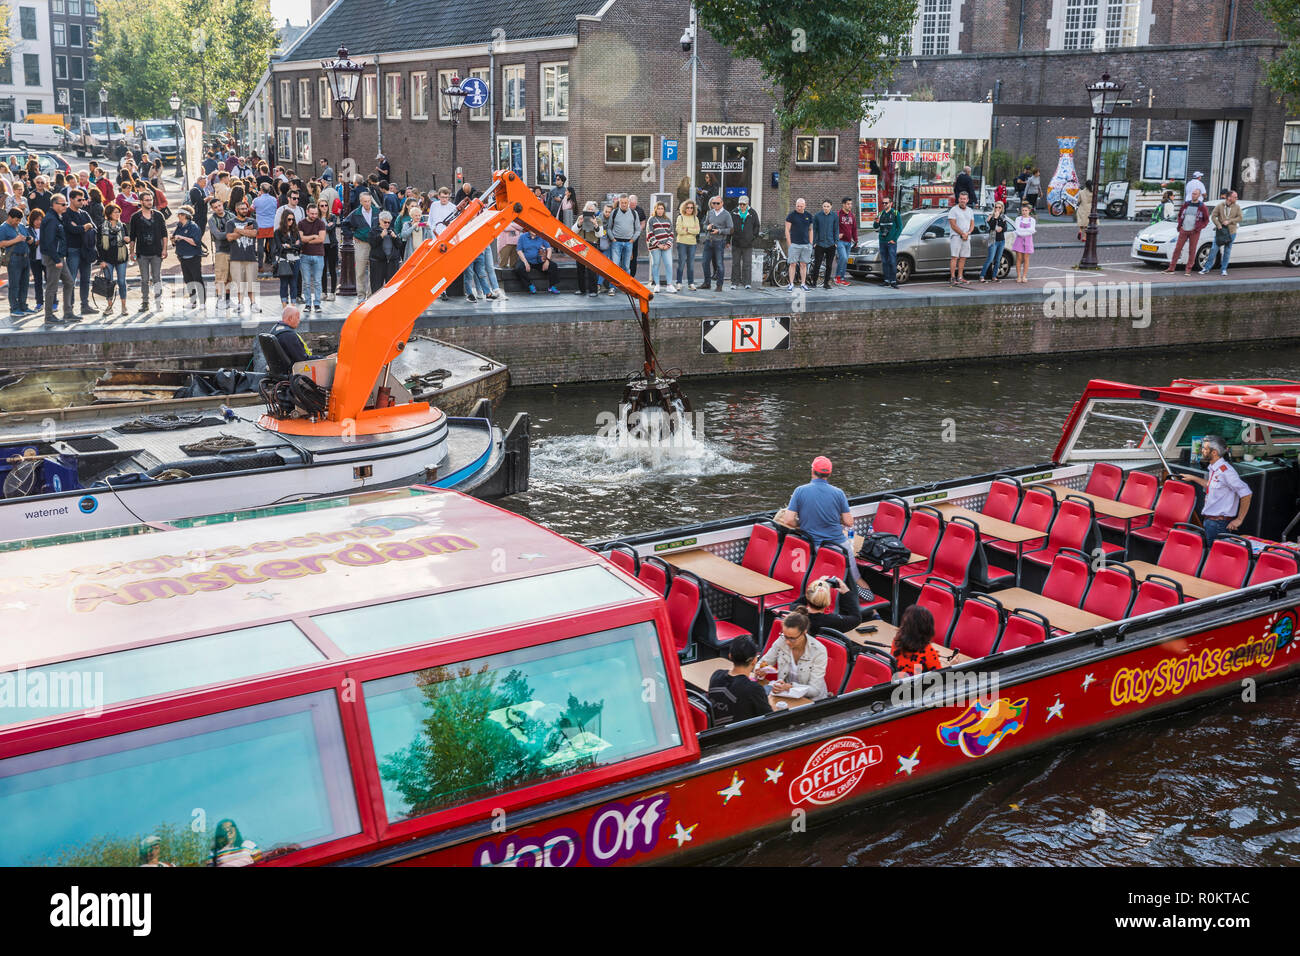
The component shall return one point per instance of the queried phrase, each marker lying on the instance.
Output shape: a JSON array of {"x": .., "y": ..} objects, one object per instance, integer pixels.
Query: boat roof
[
  {"x": 1179, "y": 393},
  {"x": 155, "y": 584}
]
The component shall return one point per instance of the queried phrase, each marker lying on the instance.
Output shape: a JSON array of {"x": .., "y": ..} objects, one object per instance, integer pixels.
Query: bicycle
[{"x": 776, "y": 265}]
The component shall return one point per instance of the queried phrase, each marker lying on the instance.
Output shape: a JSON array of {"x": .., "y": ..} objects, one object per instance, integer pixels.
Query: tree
[
  {"x": 821, "y": 60},
  {"x": 1283, "y": 73}
]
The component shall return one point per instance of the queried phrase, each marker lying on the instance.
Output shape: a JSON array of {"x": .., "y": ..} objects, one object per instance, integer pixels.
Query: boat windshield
[
  {"x": 1124, "y": 430},
  {"x": 450, "y": 735}
]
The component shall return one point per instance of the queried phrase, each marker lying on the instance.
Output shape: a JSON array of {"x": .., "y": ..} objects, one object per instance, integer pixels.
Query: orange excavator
[{"x": 361, "y": 398}]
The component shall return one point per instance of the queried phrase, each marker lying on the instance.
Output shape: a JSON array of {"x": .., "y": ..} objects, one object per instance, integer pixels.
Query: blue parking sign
[
  {"x": 670, "y": 151},
  {"x": 476, "y": 92}
]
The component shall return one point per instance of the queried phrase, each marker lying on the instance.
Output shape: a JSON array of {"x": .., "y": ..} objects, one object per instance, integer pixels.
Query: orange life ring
[
  {"x": 1288, "y": 404},
  {"x": 1244, "y": 394}
]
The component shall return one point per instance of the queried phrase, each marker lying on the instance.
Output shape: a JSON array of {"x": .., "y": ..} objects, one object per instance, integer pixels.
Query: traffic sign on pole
[
  {"x": 670, "y": 151},
  {"x": 476, "y": 92}
]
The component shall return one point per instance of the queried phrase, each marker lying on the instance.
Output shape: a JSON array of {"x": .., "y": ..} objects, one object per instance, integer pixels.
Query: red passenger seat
[
  {"x": 1272, "y": 563},
  {"x": 760, "y": 549},
  {"x": 1070, "y": 529},
  {"x": 1111, "y": 592},
  {"x": 1175, "y": 504},
  {"x": 953, "y": 558},
  {"x": 1184, "y": 549},
  {"x": 684, "y": 610},
  {"x": 1068, "y": 578},
  {"x": 1228, "y": 561},
  {"x": 699, "y": 712},
  {"x": 1002, "y": 502},
  {"x": 1036, "y": 512},
  {"x": 1156, "y": 593},
  {"x": 1024, "y": 627},
  {"x": 622, "y": 556},
  {"x": 1104, "y": 481},
  {"x": 868, "y": 670},
  {"x": 792, "y": 564},
  {"x": 890, "y": 517},
  {"x": 940, "y": 599},
  {"x": 837, "y": 662},
  {"x": 978, "y": 626},
  {"x": 1140, "y": 491},
  {"x": 654, "y": 575},
  {"x": 921, "y": 536}
]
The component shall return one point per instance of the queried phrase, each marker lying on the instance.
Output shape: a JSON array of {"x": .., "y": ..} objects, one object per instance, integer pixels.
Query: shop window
[
  {"x": 816, "y": 150},
  {"x": 513, "y": 82},
  {"x": 627, "y": 149},
  {"x": 1290, "y": 152}
]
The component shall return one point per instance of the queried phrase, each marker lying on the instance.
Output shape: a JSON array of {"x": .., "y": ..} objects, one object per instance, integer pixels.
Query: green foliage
[
  {"x": 819, "y": 59},
  {"x": 1113, "y": 164},
  {"x": 199, "y": 49},
  {"x": 180, "y": 846},
  {"x": 1283, "y": 73},
  {"x": 1001, "y": 166}
]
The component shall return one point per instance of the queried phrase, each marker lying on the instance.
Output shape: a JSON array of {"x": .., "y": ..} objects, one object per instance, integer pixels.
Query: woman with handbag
[
  {"x": 330, "y": 277},
  {"x": 286, "y": 248},
  {"x": 189, "y": 250},
  {"x": 114, "y": 253}
]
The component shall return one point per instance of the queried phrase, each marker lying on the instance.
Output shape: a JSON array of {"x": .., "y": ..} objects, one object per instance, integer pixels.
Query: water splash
[{"x": 594, "y": 460}]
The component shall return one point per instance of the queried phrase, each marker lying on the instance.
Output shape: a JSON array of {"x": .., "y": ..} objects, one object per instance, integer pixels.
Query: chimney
[{"x": 318, "y": 8}]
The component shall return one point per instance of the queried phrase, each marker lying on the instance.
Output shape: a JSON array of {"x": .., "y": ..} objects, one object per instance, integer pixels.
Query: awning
[{"x": 909, "y": 119}]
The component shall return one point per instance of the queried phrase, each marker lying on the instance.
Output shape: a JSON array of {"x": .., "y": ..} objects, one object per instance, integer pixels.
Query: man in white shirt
[
  {"x": 441, "y": 211},
  {"x": 1195, "y": 186},
  {"x": 1227, "y": 497},
  {"x": 292, "y": 207},
  {"x": 961, "y": 221}
]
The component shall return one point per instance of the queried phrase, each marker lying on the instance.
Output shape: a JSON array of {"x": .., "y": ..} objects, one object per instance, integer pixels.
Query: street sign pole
[{"x": 661, "y": 162}]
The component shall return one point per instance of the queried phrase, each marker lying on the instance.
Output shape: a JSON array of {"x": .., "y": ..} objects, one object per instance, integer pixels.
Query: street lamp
[
  {"x": 175, "y": 104},
  {"x": 344, "y": 75},
  {"x": 1104, "y": 95},
  {"x": 456, "y": 98},
  {"x": 108, "y": 120},
  {"x": 232, "y": 104}
]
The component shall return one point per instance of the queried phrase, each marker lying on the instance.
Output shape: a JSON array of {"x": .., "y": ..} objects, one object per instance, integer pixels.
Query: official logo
[
  {"x": 88, "y": 504},
  {"x": 834, "y": 770}
]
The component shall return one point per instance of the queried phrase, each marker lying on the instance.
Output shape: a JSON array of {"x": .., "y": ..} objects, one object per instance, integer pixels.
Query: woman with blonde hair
[{"x": 687, "y": 234}]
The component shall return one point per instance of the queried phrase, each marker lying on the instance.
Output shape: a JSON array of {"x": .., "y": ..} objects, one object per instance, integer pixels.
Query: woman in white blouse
[{"x": 800, "y": 659}]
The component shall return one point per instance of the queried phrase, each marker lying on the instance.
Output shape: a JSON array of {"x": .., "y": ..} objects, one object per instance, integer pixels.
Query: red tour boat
[{"x": 418, "y": 677}]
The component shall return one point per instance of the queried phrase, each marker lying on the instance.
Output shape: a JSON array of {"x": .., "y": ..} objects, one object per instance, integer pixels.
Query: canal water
[{"x": 1216, "y": 785}]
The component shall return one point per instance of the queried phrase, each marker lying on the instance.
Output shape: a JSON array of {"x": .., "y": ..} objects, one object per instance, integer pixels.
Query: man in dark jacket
[
  {"x": 743, "y": 235},
  {"x": 889, "y": 225},
  {"x": 555, "y": 195},
  {"x": 826, "y": 233},
  {"x": 965, "y": 184},
  {"x": 54, "y": 256},
  {"x": 80, "y": 234},
  {"x": 848, "y": 238}
]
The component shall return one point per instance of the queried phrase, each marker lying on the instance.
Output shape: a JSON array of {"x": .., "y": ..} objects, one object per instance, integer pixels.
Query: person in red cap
[{"x": 821, "y": 511}]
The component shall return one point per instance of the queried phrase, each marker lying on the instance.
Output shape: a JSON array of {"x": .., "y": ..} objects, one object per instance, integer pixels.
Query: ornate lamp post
[
  {"x": 1104, "y": 95},
  {"x": 344, "y": 76},
  {"x": 175, "y": 104},
  {"x": 456, "y": 99},
  {"x": 233, "y": 104}
]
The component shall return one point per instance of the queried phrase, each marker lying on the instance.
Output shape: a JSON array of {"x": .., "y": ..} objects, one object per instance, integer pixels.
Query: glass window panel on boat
[
  {"x": 92, "y": 683},
  {"x": 365, "y": 630},
  {"x": 1115, "y": 429},
  {"x": 453, "y": 734},
  {"x": 278, "y": 771}
]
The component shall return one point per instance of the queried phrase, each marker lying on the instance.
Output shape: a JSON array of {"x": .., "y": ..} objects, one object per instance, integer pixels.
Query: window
[
  {"x": 166, "y": 668},
  {"x": 393, "y": 95},
  {"x": 1114, "y": 148},
  {"x": 450, "y": 735},
  {"x": 513, "y": 83},
  {"x": 74, "y": 8},
  {"x": 816, "y": 150},
  {"x": 302, "y": 146},
  {"x": 627, "y": 149},
  {"x": 551, "y": 159},
  {"x": 1164, "y": 161},
  {"x": 936, "y": 26},
  {"x": 1080, "y": 24},
  {"x": 27, "y": 22},
  {"x": 510, "y": 155},
  {"x": 74, "y": 34},
  {"x": 1083, "y": 23},
  {"x": 365, "y": 630},
  {"x": 304, "y": 98},
  {"x": 555, "y": 91},
  {"x": 61, "y": 98},
  {"x": 77, "y": 65},
  {"x": 32, "y": 73},
  {"x": 369, "y": 96},
  {"x": 278, "y": 770},
  {"x": 1290, "y": 152},
  {"x": 7, "y": 71},
  {"x": 60, "y": 35},
  {"x": 56, "y": 6},
  {"x": 60, "y": 67},
  {"x": 283, "y": 144},
  {"x": 286, "y": 97},
  {"x": 36, "y": 106},
  {"x": 323, "y": 97},
  {"x": 444, "y": 102},
  {"x": 7, "y": 112},
  {"x": 90, "y": 36},
  {"x": 1122, "y": 22},
  {"x": 90, "y": 9},
  {"x": 420, "y": 95},
  {"x": 482, "y": 112}
]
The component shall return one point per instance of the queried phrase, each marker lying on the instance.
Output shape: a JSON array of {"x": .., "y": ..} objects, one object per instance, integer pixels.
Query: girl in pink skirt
[{"x": 1023, "y": 244}]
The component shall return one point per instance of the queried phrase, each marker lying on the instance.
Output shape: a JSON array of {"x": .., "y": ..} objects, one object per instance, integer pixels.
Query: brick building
[
  {"x": 73, "y": 24},
  {"x": 1193, "y": 74},
  {"x": 586, "y": 87}
]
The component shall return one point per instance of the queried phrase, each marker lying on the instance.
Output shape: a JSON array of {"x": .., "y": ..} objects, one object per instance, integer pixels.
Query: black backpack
[{"x": 886, "y": 550}]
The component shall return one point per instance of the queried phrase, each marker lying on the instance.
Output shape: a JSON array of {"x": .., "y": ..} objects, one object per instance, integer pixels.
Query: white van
[
  {"x": 94, "y": 135},
  {"x": 33, "y": 135},
  {"x": 157, "y": 133}
]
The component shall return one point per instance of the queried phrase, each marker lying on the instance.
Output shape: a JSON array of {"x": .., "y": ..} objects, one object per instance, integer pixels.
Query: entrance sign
[{"x": 744, "y": 335}]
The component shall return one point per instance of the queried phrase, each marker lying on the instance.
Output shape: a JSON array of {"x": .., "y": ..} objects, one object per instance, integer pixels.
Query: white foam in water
[{"x": 601, "y": 459}]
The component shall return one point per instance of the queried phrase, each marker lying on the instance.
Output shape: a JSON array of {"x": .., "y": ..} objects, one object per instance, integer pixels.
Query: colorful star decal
[
  {"x": 774, "y": 775},
  {"x": 908, "y": 764},
  {"x": 1056, "y": 710},
  {"x": 733, "y": 790},
  {"x": 683, "y": 834},
  {"x": 1088, "y": 681}
]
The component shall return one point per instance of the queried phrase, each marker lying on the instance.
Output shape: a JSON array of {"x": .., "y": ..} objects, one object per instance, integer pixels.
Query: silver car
[{"x": 923, "y": 248}]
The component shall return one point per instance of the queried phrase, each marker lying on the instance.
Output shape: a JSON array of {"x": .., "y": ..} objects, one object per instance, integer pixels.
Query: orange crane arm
[{"x": 377, "y": 329}]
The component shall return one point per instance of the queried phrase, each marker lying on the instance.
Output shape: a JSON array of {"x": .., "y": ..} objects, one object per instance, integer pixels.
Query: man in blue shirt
[
  {"x": 533, "y": 256},
  {"x": 821, "y": 511}
]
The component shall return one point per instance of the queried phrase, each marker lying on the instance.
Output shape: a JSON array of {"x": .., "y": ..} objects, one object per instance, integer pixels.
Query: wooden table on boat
[
  {"x": 1016, "y": 534},
  {"x": 722, "y": 573},
  {"x": 1192, "y": 586},
  {"x": 1104, "y": 506},
  {"x": 698, "y": 673},
  {"x": 1065, "y": 616},
  {"x": 883, "y": 639}
]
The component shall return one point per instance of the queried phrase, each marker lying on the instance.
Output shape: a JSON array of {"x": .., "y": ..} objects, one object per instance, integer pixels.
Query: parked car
[
  {"x": 923, "y": 248},
  {"x": 94, "y": 134},
  {"x": 161, "y": 134},
  {"x": 1269, "y": 232},
  {"x": 1287, "y": 197},
  {"x": 50, "y": 163},
  {"x": 30, "y": 135}
]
